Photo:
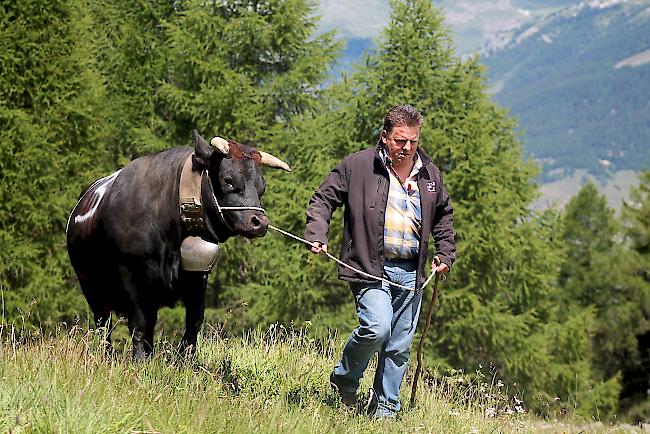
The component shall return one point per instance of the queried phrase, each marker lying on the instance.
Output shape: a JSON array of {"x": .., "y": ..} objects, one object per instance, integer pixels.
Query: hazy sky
[
  {"x": 470, "y": 20},
  {"x": 354, "y": 19}
]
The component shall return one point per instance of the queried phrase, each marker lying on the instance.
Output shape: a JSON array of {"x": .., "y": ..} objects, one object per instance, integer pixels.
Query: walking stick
[{"x": 434, "y": 296}]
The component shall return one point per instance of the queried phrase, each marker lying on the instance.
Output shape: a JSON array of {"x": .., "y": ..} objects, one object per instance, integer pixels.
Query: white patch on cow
[{"x": 98, "y": 190}]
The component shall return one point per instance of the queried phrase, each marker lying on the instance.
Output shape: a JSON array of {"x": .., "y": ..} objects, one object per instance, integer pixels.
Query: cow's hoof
[{"x": 140, "y": 355}]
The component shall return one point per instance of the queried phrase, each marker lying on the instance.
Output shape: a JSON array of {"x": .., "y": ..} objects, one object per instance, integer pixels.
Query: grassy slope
[{"x": 270, "y": 382}]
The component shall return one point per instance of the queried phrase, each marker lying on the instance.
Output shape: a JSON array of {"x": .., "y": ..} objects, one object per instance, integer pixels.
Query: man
[{"x": 394, "y": 198}]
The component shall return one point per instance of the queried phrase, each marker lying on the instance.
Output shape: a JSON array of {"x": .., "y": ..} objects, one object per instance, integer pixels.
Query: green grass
[{"x": 273, "y": 381}]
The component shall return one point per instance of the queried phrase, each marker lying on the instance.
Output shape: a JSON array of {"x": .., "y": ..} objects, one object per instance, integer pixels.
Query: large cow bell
[{"x": 198, "y": 254}]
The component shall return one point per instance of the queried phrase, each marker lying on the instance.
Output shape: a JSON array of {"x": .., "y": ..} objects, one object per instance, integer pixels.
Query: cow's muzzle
[{"x": 256, "y": 226}]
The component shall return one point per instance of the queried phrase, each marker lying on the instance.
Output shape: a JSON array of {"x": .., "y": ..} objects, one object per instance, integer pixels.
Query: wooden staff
[{"x": 424, "y": 334}]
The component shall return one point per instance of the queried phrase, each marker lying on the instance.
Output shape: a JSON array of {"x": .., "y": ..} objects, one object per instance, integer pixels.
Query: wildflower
[
  {"x": 509, "y": 410},
  {"x": 474, "y": 430},
  {"x": 490, "y": 412},
  {"x": 520, "y": 409},
  {"x": 499, "y": 383}
]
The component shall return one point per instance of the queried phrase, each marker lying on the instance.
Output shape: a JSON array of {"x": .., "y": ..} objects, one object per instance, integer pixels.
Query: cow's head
[{"x": 237, "y": 181}]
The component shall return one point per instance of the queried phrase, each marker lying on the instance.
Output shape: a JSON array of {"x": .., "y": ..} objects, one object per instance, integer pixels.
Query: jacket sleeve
[
  {"x": 443, "y": 228},
  {"x": 331, "y": 194}
]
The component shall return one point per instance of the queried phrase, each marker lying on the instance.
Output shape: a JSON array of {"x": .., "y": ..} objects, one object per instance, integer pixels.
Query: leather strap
[{"x": 189, "y": 192}]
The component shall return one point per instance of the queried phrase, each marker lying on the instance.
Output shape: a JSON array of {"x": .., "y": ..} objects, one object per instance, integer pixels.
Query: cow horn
[
  {"x": 220, "y": 144},
  {"x": 272, "y": 161}
]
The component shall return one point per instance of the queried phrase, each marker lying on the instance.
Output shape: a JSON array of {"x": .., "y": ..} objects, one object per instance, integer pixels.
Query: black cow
[{"x": 148, "y": 235}]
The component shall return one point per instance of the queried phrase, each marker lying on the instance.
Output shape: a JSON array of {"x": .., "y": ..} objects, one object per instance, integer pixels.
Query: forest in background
[{"x": 556, "y": 304}]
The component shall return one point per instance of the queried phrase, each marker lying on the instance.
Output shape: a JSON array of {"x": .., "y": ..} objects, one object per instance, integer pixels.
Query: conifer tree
[
  {"x": 601, "y": 273},
  {"x": 50, "y": 102},
  {"x": 590, "y": 233},
  {"x": 130, "y": 44},
  {"x": 636, "y": 213},
  {"x": 636, "y": 359},
  {"x": 242, "y": 66},
  {"x": 289, "y": 283}
]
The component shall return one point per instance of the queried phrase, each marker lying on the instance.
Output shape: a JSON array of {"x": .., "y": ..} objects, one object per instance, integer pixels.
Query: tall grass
[{"x": 264, "y": 382}]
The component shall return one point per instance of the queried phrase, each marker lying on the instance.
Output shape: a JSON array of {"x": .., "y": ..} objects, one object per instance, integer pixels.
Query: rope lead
[{"x": 363, "y": 273}]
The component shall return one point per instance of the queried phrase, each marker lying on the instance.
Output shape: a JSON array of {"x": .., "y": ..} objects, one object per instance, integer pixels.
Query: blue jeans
[{"x": 388, "y": 317}]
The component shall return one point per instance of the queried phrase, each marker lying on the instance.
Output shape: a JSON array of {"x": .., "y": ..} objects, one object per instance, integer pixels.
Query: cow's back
[
  {"x": 142, "y": 206},
  {"x": 128, "y": 220}
]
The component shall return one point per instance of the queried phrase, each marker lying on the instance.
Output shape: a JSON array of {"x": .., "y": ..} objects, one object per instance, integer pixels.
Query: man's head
[{"x": 401, "y": 133}]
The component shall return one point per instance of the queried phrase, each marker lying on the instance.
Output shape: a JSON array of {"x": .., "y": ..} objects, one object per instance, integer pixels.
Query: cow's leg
[
  {"x": 151, "y": 317},
  {"x": 137, "y": 328},
  {"x": 93, "y": 290},
  {"x": 103, "y": 324},
  {"x": 135, "y": 314},
  {"x": 194, "y": 286},
  {"x": 142, "y": 322}
]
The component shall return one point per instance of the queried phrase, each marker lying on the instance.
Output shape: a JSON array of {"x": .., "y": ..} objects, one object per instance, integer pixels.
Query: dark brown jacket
[{"x": 361, "y": 183}]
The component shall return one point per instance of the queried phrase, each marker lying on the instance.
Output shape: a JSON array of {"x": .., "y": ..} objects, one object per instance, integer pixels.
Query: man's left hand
[{"x": 438, "y": 266}]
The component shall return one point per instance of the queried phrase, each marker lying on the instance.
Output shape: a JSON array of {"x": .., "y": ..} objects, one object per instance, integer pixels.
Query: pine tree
[
  {"x": 592, "y": 237},
  {"x": 130, "y": 44},
  {"x": 635, "y": 360},
  {"x": 590, "y": 231},
  {"x": 290, "y": 284},
  {"x": 636, "y": 213},
  {"x": 50, "y": 101},
  {"x": 238, "y": 68}
]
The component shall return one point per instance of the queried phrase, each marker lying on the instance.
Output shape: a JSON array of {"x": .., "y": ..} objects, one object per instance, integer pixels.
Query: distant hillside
[
  {"x": 352, "y": 54},
  {"x": 579, "y": 81},
  {"x": 487, "y": 23}
]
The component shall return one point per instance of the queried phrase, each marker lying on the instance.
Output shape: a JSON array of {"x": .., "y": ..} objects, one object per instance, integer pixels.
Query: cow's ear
[{"x": 202, "y": 150}]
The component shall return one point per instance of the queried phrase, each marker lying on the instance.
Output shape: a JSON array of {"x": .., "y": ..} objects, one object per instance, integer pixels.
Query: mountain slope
[
  {"x": 488, "y": 23},
  {"x": 579, "y": 80}
]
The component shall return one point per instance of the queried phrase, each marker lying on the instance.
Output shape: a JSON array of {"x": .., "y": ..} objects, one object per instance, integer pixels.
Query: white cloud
[
  {"x": 494, "y": 15},
  {"x": 354, "y": 18},
  {"x": 473, "y": 21}
]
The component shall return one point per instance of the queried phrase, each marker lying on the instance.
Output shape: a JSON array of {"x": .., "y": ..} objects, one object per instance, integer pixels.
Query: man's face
[{"x": 401, "y": 143}]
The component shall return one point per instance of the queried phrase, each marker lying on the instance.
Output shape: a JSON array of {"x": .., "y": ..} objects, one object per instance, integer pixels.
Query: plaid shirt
[{"x": 402, "y": 226}]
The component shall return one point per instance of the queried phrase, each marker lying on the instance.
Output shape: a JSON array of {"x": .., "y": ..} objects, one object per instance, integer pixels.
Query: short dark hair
[{"x": 402, "y": 115}]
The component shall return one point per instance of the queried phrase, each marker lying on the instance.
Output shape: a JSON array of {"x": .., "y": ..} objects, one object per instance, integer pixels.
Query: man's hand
[
  {"x": 318, "y": 247},
  {"x": 438, "y": 266}
]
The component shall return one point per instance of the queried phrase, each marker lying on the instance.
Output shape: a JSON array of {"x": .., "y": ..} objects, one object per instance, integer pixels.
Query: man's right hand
[{"x": 318, "y": 247}]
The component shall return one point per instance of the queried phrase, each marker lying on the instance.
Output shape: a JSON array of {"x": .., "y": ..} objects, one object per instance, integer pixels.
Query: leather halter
[{"x": 189, "y": 192}]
